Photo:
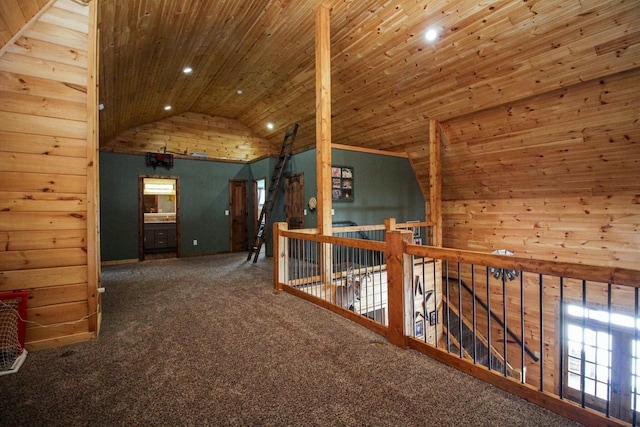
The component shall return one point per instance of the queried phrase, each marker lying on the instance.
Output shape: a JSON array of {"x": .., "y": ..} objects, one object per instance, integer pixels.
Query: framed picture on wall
[
  {"x": 419, "y": 329},
  {"x": 342, "y": 183}
]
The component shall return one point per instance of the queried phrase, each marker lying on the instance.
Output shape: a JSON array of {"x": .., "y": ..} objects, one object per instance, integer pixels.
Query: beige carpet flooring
[{"x": 207, "y": 341}]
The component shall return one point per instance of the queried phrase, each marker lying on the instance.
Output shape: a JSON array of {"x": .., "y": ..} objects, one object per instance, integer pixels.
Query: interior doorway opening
[
  {"x": 259, "y": 196},
  {"x": 159, "y": 217}
]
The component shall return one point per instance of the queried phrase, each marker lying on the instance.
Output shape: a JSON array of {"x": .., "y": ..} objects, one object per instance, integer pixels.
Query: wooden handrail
[
  {"x": 344, "y": 241},
  {"x": 612, "y": 275},
  {"x": 353, "y": 228},
  {"x": 415, "y": 224}
]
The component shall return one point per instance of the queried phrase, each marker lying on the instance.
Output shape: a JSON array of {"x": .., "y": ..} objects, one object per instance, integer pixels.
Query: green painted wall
[
  {"x": 204, "y": 197},
  {"x": 383, "y": 187}
]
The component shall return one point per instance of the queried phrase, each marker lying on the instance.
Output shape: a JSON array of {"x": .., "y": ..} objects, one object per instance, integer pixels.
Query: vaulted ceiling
[
  {"x": 387, "y": 80},
  {"x": 253, "y": 62}
]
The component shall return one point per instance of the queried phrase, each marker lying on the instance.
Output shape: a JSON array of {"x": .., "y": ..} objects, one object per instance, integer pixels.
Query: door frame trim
[{"x": 141, "y": 213}]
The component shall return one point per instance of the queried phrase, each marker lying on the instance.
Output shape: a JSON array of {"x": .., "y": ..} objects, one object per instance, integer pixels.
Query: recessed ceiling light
[
  {"x": 431, "y": 35},
  {"x": 167, "y": 107},
  {"x": 239, "y": 91},
  {"x": 187, "y": 70},
  {"x": 270, "y": 126}
]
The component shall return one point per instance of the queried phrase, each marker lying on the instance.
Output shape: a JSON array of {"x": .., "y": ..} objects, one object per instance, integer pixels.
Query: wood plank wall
[
  {"x": 220, "y": 138},
  {"x": 551, "y": 177},
  {"x": 555, "y": 176},
  {"x": 46, "y": 163}
]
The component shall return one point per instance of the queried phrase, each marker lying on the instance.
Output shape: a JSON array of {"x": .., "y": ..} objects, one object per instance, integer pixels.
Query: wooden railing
[{"x": 408, "y": 284}]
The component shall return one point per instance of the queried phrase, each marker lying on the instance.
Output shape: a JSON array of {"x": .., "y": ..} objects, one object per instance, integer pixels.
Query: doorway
[
  {"x": 239, "y": 215},
  {"x": 259, "y": 196},
  {"x": 294, "y": 201},
  {"x": 158, "y": 217}
]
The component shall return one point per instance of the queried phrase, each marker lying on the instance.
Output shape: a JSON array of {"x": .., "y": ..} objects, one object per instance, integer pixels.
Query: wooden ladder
[{"x": 272, "y": 193}]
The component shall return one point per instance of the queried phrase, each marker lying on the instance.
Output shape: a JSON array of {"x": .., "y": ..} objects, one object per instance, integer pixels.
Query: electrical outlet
[
  {"x": 305, "y": 212},
  {"x": 195, "y": 242},
  {"x": 226, "y": 213}
]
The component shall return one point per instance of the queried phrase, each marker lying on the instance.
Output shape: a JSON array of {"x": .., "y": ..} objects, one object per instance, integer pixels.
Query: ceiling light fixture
[
  {"x": 239, "y": 91},
  {"x": 167, "y": 107},
  {"x": 187, "y": 70},
  {"x": 431, "y": 35},
  {"x": 270, "y": 126}
]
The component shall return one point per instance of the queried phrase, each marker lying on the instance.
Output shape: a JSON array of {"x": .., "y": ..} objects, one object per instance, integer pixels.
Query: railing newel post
[
  {"x": 390, "y": 224},
  {"x": 281, "y": 255},
  {"x": 399, "y": 271}
]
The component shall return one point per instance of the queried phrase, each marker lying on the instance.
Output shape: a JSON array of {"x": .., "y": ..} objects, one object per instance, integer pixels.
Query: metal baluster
[
  {"x": 382, "y": 260},
  {"x": 460, "y": 310},
  {"x": 541, "y": 307},
  {"x": 318, "y": 267},
  {"x": 634, "y": 394},
  {"x": 609, "y": 349},
  {"x": 307, "y": 265},
  {"x": 562, "y": 343},
  {"x": 424, "y": 300},
  {"x": 473, "y": 310},
  {"x": 414, "y": 287},
  {"x": 489, "y": 342},
  {"x": 448, "y": 307},
  {"x": 522, "y": 367},
  {"x": 300, "y": 256},
  {"x": 436, "y": 337},
  {"x": 504, "y": 322},
  {"x": 582, "y": 352}
]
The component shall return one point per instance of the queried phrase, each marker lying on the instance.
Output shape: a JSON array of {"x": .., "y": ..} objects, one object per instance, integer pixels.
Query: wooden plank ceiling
[
  {"x": 387, "y": 80},
  {"x": 15, "y": 14}
]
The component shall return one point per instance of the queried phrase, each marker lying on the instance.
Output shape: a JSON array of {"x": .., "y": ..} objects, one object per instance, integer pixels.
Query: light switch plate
[{"x": 226, "y": 212}]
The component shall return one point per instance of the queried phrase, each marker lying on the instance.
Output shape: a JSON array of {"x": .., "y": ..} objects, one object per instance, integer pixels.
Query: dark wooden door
[
  {"x": 238, "y": 213},
  {"x": 294, "y": 201}
]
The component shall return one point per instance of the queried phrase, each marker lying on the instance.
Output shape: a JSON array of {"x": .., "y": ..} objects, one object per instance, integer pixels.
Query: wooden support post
[
  {"x": 323, "y": 136},
  {"x": 280, "y": 255},
  {"x": 399, "y": 272},
  {"x": 93, "y": 209},
  {"x": 323, "y": 119},
  {"x": 435, "y": 183},
  {"x": 390, "y": 224}
]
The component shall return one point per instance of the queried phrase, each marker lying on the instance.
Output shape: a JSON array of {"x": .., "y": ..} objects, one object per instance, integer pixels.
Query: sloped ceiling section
[
  {"x": 387, "y": 80},
  {"x": 253, "y": 61}
]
